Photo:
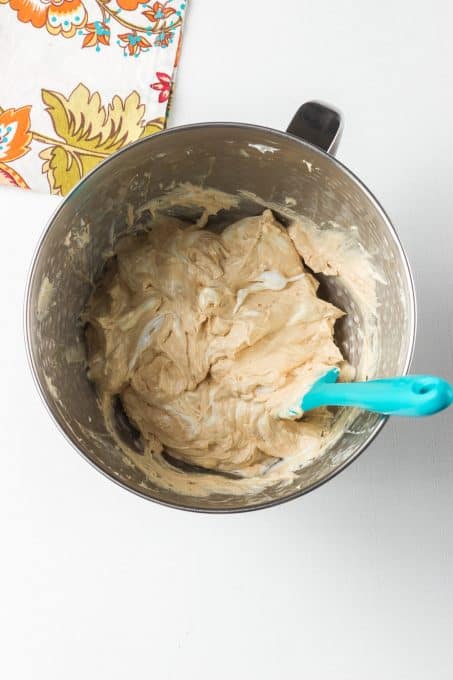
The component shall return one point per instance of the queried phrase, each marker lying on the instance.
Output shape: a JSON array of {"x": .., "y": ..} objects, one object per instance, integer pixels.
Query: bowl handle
[{"x": 318, "y": 124}]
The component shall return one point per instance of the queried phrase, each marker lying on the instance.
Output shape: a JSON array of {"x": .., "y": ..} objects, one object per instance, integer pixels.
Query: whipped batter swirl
[{"x": 206, "y": 337}]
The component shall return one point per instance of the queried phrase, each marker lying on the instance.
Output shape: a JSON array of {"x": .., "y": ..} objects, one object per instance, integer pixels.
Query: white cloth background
[{"x": 110, "y": 81}]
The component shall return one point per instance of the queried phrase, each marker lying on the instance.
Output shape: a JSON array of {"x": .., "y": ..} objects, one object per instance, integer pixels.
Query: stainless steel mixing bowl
[{"x": 231, "y": 157}]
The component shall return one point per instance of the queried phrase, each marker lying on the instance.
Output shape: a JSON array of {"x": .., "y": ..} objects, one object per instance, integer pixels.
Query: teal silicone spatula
[{"x": 410, "y": 395}]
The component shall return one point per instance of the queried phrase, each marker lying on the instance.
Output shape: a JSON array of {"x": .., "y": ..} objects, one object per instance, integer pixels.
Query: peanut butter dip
[{"x": 207, "y": 338}]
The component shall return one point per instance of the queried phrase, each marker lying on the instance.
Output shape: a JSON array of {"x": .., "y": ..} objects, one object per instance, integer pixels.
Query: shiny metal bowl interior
[{"x": 232, "y": 158}]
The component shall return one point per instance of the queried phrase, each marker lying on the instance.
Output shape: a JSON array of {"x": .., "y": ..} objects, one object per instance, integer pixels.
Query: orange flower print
[
  {"x": 163, "y": 86},
  {"x": 133, "y": 44},
  {"x": 10, "y": 177},
  {"x": 164, "y": 39},
  {"x": 15, "y": 135},
  {"x": 33, "y": 11},
  {"x": 130, "y": 5},
  {"x": 97, "y": 33},
  {"x": 66, "y": 17},
  {"x": 58, "y": 16},
  {"x": 158, "y": 11}
]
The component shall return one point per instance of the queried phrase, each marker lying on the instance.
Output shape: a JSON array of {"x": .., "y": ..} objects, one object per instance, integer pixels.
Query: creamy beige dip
[{"x": 208, "y": 339}]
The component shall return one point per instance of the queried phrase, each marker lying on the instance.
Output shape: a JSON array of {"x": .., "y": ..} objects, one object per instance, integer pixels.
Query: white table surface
[{"x": 352, "y": 581}]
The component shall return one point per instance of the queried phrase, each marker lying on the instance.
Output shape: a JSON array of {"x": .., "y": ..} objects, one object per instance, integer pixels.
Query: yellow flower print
[{"x": 87, "y": 132}]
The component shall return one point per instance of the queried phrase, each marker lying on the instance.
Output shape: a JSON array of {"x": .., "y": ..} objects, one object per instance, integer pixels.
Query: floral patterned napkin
[{"x": 79, "y": 80}]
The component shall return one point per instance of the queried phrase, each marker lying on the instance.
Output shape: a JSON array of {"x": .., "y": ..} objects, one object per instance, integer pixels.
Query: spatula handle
[{"x": 412, "y": 395}]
